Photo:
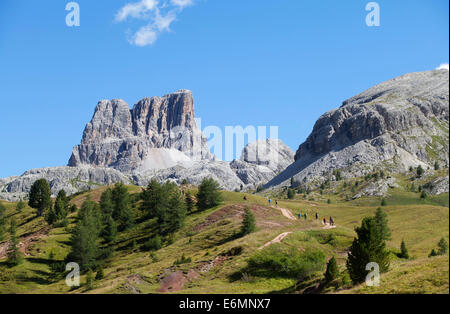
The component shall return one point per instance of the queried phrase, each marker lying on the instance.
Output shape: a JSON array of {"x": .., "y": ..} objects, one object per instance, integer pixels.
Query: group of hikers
[{"x": 305, "y": 216}]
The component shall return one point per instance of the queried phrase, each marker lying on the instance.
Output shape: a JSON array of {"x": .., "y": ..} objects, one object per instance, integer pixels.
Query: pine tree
[
  {"x": 209, "y": 194},
  {"x": 368, "y": 247},
  {"x": 420, "y": 171},
  {"x": 189, "y": 202},
  {"x": 122, "y": 211},
  {"x": 248, "y": 223},
  {"x": 100, "y": 274},
  {"x": 40, "y": 196},
  {"x": 90, "y": 280},
  {"x": 382, "y": 223},
  {"x": 442, "y": 247},
  {"x": 404, "y": 251},
  {"x": 290, "y": 194},
  {"x": 85, "y": 242},
  {"x": 332, "y": 270},
  {"x": 423, "y": 195},
  {"x": 106, "y": 202},
  {"x": 171, "y": 218},
  {"x": 152, "y": 198},
  {"x": 109, "y": 231},
  {"x": 436, "y": 166},
  {"x": 14, "y": 256}
]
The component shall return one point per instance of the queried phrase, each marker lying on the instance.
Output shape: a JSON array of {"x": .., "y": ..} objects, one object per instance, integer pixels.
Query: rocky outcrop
[
  {"x": 261, "y": 161},
  {"x": 397, "y": 124},
  {"x": 247, "y": 172},
  {"x": 70, "y": 179},
  {"x": 125, "y": 139}
]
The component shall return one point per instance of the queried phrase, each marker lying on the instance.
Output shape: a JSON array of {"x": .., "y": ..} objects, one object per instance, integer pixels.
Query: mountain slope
[{"x": 395, "y": 125}]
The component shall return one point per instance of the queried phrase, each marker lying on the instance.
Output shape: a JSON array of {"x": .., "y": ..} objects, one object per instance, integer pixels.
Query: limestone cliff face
[
  {"x": 125, "y": 139},
  {"x": 399, "y": 123}
]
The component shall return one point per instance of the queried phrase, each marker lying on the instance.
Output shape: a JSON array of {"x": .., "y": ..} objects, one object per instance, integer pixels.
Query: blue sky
[{"x": 248, "y": 62}]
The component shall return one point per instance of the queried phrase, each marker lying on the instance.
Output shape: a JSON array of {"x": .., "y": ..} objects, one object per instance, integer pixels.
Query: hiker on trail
[
  {"x": 299, "y": 215},
  {"x": 332, "y": 221},
  {"x": 304, "y": 215},
  {"x": 245, "y": 197},
  {"x": 324, "y": 221},
  {"x": 317, "y": 216},
  {"x": 276, "y": 203},
  {"x": 270, "y": 201}
]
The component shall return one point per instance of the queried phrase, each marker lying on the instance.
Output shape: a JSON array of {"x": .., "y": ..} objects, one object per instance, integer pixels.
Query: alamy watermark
[
  {"x": 373, "y": 18},
  {"x": 373, "y": 277},
  {"x": 73, "y": 17},
  {"x": 73, "y": 277}
]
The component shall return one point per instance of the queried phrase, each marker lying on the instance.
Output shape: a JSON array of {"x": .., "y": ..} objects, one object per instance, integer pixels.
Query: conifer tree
[
  {"x": 332, "y": 270},
  {"x": 404, "y": 251},
  {"x": 442, "y": 247},
  {"x": 209, "y": 194},
  {"x": 382, "y": 223},
  {"x": 368, "y": 247},
  {"x": 90, "y": 280},
  {"x": 109, "y": 231},
  {"x": 248, "y": 223},
  {"x": 14, "y": 256},
  {"x": 189, "y": 202},
  {"x": 85, "y": 242},
  {"x": 122, "y": 211},
  {"x": 40, "y": 196}
]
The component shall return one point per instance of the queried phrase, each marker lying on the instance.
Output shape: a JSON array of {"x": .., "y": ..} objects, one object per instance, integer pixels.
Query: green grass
[{"x": 420, "y": 223}]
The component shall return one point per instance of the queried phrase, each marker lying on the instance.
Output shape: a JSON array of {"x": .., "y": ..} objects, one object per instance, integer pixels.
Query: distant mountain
[
  {"x": 128, "y": 140},
  {"x": 397, "y": 124},
  {"x": 158, "y": 138}
]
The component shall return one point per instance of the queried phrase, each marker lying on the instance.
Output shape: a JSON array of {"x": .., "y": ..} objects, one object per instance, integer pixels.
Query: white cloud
[
  {"x": 136, "y": 10},
  {"x": 144, "y": 36},
  {"x": 160, "y": 14},
  {"x": 182, "y": 3},
  {"x": 443, "y": 66}
]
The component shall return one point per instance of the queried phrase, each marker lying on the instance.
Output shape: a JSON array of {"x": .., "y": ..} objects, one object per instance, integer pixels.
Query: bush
[
  {"x": 403, "y": 251},
  {"x": 443, "y": 247},
  {"x": 100, "y": 274},
  {"x": 153, "y": 244},
  {"x": 278, "y": 261},
  {"x": 182, "y": 260},
  {"x": 290, "y": 194},
  {"x": 423, "y": 195},
  {"x": 383, "y": 202}
]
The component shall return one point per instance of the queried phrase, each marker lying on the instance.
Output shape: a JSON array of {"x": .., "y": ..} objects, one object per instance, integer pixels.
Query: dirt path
[
  {"x": 287, "y": 213},
  {"x": 25, "y": 242},
  {"x": 328, "y": 226},
  {"x": 278, "y": 239}
]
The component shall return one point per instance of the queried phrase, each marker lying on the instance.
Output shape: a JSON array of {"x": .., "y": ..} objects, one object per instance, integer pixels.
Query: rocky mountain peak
[
  {"x": 123, "y": 138},
  {"x": 400, "y": 123}
]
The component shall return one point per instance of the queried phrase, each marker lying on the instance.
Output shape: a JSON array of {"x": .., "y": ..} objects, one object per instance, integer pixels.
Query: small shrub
[
  {"x": 153, "y": 244},
  {"x": 182, "y": 260},
  {"x": 403, "y": 251}
]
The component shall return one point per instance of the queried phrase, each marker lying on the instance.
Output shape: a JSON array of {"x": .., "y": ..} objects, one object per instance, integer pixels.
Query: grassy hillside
[{"x": 217, "y": 260}]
